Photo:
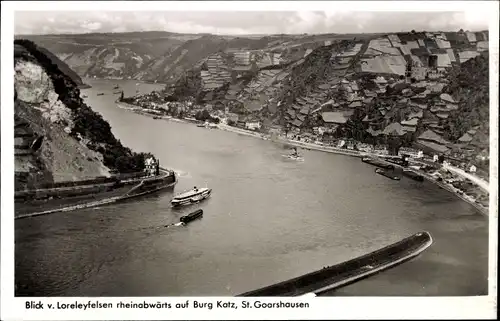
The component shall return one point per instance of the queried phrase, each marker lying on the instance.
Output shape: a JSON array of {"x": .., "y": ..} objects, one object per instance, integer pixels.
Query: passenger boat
[
  {"x": 194, "y": 195},
  {"x": 191, "y": 216},
  {"x": 388, "y": 175}
]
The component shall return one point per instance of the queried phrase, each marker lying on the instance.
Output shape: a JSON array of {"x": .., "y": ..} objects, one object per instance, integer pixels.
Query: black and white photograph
[{"x": 253, "y": 153}]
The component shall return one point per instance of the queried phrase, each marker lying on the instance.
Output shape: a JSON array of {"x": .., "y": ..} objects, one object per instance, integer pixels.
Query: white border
[{"x": 334, "y": 308}]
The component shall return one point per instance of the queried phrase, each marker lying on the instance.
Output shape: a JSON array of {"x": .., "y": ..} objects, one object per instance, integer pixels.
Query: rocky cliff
[
  {"x": 64, "y": 68},
  {"x": 57, "y": 136}
]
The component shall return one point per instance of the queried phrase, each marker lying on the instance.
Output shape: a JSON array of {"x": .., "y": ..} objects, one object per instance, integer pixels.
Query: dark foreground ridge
[{"x": 342, "y": 274}]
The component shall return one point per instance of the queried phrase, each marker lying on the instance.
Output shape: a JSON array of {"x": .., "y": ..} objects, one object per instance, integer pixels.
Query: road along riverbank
[{"x": 342, "y": 274}]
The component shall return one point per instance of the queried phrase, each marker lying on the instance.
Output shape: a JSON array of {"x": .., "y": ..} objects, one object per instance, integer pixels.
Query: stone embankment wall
[
  {"x": 45, "y": 201},
  {"x": 341, "y": 273}
]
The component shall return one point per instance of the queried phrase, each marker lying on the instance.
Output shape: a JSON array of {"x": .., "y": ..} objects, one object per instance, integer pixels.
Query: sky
[{"x": 244, "y": 22}]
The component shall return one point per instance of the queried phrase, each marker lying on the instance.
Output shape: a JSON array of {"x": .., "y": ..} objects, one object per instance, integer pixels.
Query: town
[{"x": 388, "y": 96}]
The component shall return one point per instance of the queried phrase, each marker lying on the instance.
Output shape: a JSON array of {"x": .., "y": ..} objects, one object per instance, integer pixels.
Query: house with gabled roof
[
  {"x": 394, "y": 129},
  {"x": 431, "y": 142}
]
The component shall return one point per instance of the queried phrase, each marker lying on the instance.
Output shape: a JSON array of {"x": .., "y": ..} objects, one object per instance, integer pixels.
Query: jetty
[
  {"x": 74, "y": 195},
  {"x": 337, "y": 276}
]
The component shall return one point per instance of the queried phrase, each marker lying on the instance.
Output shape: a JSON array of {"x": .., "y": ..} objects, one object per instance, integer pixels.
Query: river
[{"x": 269, "y": 219}]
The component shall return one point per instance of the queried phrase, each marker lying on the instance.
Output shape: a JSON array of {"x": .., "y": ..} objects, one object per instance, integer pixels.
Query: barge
[
  {"x": 411, "y": 174},
  {"x": 386, "y": 174},
  {"x": 377, "y": 163},
  {"x": 192, "y": 216},
  {"x": 397, "y": 161},
  {"x": 337, "y": 276}
]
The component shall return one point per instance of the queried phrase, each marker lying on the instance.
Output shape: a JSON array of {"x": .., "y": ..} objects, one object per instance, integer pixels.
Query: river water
[{"x": 269, "y": 219}]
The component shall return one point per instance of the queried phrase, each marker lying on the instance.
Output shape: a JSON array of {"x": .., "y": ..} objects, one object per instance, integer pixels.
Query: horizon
[
  {"x": 243, "y": 35},
  {"x": 243, "y": 23}
]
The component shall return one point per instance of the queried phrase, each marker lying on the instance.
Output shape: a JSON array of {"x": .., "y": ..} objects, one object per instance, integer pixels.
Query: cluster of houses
[
  {"x": 461, "y": 186},
  {"x": 395, "y": 82}
]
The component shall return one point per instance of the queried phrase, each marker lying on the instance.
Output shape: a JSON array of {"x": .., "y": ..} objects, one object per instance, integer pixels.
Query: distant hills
[
  {"x": 427, "y": 89},
  {"x": 158, "y": 56}
]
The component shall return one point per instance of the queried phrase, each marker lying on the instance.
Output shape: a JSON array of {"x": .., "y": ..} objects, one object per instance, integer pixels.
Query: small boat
[
  {"x": 200, "y": 125},
  {"x": 117, "y": 92},
  {"x": 84, "y": 96},
  {"x": 156, "y": 117},
  {"x": 294, "y": 157},
  {"x": 192, "y": 196},
  {"x": 413, "y": 175},
  {"x": 388, "y": 175},
  {"x": 100, "y": 94},
  {"x": 116, "y": 87},
  {"x": 191, "y": 216}
]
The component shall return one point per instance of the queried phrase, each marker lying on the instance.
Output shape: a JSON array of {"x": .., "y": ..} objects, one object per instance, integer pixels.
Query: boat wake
[
  {"x": 181, "y": 173},
  {"x": 157, "y": 227},
  {"x": 171, "y": 225}
]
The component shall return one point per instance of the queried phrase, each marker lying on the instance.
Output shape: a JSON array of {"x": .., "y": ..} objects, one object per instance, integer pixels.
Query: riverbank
[
  {"x": 291, "y": 142},
  {"x": 484, "y": 210},
  {"x": 312, "y": 146}
]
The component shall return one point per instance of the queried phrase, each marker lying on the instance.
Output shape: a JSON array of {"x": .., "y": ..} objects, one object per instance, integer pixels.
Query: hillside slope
[
  {"x": 421, "y": 89},
  {"x": 160, "y": 56},
  {"x": 57, "y": 136}
]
